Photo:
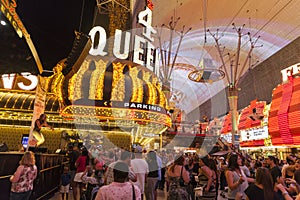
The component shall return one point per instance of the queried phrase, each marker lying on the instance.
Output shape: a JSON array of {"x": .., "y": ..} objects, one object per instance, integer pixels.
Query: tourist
[
  {"x": 236, "y": 179},
  {"x": 274, "y": 169},
  {"x": 22, "y": 180},
  {"x": 65, "y": 183},
  {"x": 177, "y": 172},
  {"x": 81, "y": 163},
  {"x": 73, "y": 155},
  {"x": 208, "y": 177},
  {"x": 263, "y": 188},
  {"x": 152, "y": 177},
  {"x": 109, "y": 175},
  {"x": 140, "y": 168}
]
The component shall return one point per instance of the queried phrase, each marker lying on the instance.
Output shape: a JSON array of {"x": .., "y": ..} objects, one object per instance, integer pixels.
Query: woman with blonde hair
[{"x": 22, "y": 180}]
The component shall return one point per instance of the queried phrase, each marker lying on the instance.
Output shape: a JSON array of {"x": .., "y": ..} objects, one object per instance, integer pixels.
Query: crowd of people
[
  {"x": 138, "y": 174},
  {"x": 263, "y": 178},
  {"x": 183, "y": 174},
  {"x": 149, "y": 171}
]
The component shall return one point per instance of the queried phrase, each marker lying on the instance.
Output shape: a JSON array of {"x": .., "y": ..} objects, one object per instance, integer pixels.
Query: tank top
[
  {"x": 36, "y": 127},
  {"x": 25, "y": 182},
  {"x": 241, "y": 188}
]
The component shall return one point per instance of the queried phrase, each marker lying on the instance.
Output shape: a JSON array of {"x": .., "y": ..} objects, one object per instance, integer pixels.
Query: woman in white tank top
[{"x": 236, "y": 179}]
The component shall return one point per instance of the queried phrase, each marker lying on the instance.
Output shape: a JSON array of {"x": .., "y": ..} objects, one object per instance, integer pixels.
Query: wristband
[{"x": 284, "y": 193}]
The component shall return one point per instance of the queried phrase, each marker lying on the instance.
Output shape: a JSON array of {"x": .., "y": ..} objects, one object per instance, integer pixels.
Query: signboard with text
[
  {"x": 290, "y": 71},
  {"x": 137, "y": 42},
  {"x": 254, "y": 134},
  {"x": 39, "y": 107},
  {"x": 25, "y": 81}
]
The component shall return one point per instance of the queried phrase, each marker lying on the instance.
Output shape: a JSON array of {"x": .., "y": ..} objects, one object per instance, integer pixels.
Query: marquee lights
[
  {"x": 118, "y": 117},
  {"x": 117, "y": 114},
  {"x": 146, "y": 106}
]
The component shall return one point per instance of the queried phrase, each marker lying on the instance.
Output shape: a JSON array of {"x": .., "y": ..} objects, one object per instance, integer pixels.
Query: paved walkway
[{"x": 161, "y": 195}]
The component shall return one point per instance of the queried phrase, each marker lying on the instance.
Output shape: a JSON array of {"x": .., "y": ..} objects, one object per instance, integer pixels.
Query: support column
[
  {"x": 160, "y": 141},
  {"x": 232, "y": 99}
]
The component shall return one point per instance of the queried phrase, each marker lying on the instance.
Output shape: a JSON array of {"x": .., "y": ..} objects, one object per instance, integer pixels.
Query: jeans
[
  {"x": 20, "y": 195},
  {"x": 150, "y": 188}
]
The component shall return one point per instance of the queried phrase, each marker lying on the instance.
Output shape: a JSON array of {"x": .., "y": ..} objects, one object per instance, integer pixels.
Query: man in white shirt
[{"x": 140, "y": 168}]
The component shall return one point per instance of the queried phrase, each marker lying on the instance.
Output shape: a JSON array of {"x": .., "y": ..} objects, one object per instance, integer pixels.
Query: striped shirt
[{"x": 109, "y": 175}]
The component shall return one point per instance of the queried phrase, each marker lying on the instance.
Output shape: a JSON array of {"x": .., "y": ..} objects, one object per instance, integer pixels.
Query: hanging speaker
[{"x": 80, "y": 50}]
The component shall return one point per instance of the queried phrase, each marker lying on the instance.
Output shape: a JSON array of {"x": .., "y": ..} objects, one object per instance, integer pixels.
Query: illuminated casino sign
[
  {"x": 142, "y": 106},
  {"x": 8, "y": 8},
  {"x": 25, "y": 81},
  {"x": 292, "y": 70},
  {"x": 254, "y": 134},
  {"x": 144, "y": 52}
]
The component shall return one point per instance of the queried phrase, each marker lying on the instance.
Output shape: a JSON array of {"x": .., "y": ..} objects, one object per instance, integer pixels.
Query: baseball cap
[{"x": 138, "y": 149}]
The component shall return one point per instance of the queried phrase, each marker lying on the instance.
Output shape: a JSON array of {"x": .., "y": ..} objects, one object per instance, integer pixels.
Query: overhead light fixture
[{"x": 2, "y": 22}]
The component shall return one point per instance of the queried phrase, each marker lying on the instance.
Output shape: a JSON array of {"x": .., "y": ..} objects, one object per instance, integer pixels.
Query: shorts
[
  {"x": 65, "y": 189},
  {"x": 78, "y": 176}
]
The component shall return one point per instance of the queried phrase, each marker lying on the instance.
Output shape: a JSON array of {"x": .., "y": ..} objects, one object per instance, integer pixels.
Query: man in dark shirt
[
  {"x": 274, "y": 169},
  {"x": 275, "y": 172}
]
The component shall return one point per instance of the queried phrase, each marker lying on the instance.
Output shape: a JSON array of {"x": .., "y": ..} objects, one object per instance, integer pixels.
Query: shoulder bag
[
  {"x": 181, "y": 181},
  {"x": 133, "y": 193}
]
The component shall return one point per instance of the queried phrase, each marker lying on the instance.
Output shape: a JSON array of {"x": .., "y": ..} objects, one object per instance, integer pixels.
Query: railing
[
  {"x": 49, "y": 172},
  {"x": 201, "y": 128}
]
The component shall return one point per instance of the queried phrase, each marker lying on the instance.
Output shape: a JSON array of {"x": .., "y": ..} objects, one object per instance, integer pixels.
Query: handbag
[
  {"x": 198, "y": 191},
  {"x": 181, "y": 181}
]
